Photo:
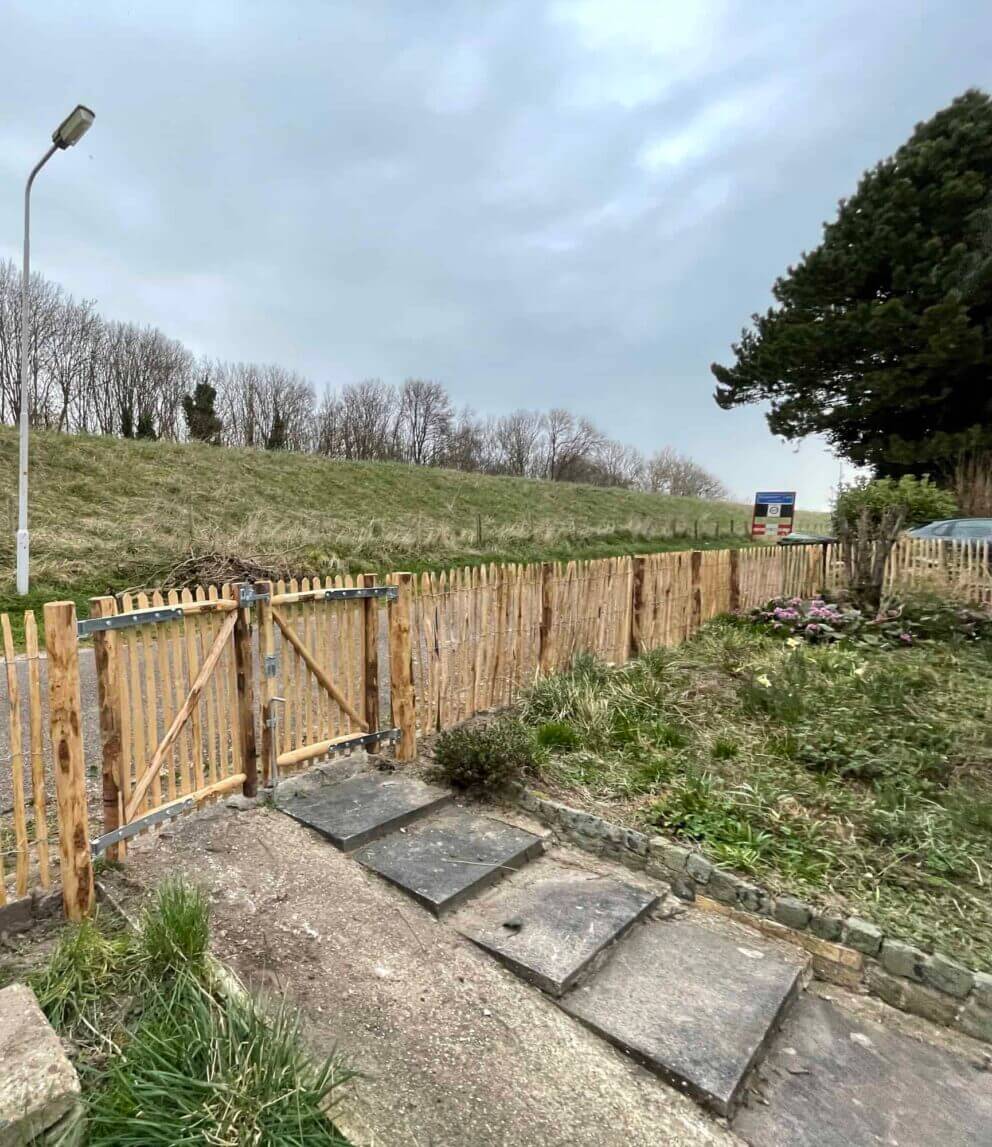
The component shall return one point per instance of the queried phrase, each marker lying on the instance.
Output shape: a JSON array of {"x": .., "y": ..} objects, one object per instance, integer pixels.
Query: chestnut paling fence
[{"x": 203, "y": 692}]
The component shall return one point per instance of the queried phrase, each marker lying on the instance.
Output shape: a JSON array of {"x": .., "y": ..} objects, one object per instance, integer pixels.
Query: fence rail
[{"x": 182, "y": 697}]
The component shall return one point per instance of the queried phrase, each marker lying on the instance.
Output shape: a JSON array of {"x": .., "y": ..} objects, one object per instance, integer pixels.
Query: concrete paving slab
[
  {"x": 833, "y": 1079},
  {"x": 38, "y": 1084},
  {"x": 694, "y": 1001},
  {"x": 552, "y": 927},
  {"x": 450, "y": 857},
  {"x": 449, "y": 1050},
  {"x": 364, "y": 808}
]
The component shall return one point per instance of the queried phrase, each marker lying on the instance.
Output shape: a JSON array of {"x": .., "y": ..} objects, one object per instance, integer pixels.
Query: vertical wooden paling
[
  {"x": 734, "y": 574},
  {"x": 184, "y": 751},
  {"x": 21, "y": 855},
  {"x": 165, "y": 694},
  {"x": 151, "y": 708},
  {"x": 401, "y": 667},
  {"x": 545, "y": 661},
  {"x": 369, "y": 631},
  {"x": 192, "y": 668},
  {"x": 107, "y": 661},
  {"x": 637, "y": 605},
  {"x": 65, "y": 718},
  {"x": 211, "y": 703},
  {"x": 244, "y": 680},
  {"x": 37, "y": 751},
  {"x": 267, "y": 649},
  {"x": 695, "y": 565}
]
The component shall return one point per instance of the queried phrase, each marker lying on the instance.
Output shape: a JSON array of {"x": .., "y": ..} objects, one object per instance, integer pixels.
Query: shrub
[
  {"x": 485, "y": 757},
  {"x": 557, "y": 735},
  {"x": 868, "y": 518}
]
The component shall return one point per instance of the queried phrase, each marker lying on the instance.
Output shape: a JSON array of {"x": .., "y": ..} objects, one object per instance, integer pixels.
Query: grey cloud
[{"x": 459, "y": 189}]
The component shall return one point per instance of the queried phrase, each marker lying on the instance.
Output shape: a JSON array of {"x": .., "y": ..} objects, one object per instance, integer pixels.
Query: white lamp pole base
[{"x": 23, "y": 551}]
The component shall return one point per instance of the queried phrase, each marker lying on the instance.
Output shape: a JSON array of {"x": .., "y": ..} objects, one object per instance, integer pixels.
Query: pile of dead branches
[{"x": 215, "y": 568}]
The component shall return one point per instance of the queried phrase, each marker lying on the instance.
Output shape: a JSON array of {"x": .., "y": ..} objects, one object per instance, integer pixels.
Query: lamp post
[{"x": 69, "y": 132}]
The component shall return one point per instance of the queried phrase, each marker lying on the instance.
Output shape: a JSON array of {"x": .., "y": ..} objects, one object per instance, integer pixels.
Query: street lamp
[{"x": 69, "y": 132}]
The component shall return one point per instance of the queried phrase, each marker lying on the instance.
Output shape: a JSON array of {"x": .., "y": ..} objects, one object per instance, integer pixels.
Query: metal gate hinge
[
  {"x": 91, "y": 625},
  {"x": 248, "y": 596},
  {"x": 388, "y": 592}
]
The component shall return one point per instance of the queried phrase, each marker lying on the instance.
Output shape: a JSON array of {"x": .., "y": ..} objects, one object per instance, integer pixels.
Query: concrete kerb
[{"x": 848, "y": 951}]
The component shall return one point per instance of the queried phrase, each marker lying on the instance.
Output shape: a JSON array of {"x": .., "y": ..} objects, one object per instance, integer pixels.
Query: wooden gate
[
  {"x": 175, "y": 690},
  {"x": 319, "y": 647}
]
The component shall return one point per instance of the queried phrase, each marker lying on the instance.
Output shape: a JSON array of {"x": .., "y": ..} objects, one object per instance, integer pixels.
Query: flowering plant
[
  {"x": 918, "y": 618},
  {"x": 814, "y": 620}
]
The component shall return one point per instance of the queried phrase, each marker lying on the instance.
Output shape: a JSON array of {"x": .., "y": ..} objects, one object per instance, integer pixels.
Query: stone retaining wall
[{"x": 846, "y": 950}]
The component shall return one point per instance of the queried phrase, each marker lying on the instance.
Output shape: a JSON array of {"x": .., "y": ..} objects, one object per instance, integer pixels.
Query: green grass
[
  {"x": 164, "y": 1057},
  {"x": 857, "y": 777},
  {"x": 108, "y": 513}
]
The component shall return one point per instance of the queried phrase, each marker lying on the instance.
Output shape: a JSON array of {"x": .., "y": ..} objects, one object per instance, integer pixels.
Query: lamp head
[{"x": 72, "y": 129}]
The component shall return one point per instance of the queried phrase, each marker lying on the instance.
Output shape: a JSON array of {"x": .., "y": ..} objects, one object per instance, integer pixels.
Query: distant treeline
[{"x": 96, "y": 376}]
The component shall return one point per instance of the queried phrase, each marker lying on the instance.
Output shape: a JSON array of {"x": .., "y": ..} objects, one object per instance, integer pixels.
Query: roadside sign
[{"x": 774, "y": 512}]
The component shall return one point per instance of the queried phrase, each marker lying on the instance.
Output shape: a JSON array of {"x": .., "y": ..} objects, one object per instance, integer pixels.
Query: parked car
[
  {"x": 799, "y": 539},
  {"x": 957, "y": 529}
]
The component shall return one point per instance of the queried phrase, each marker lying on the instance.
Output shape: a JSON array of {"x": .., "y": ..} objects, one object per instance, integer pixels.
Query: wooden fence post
[
  {"x": 267, "y": 675},
  {"x": 695, "y": 572},
  {"x": 546, "y": 653},
  {"x": 734, "y": 597},
  {"x": 401, "y": 667},
  {"x": 65, "y": 716},
  {"x": 640, "y": 565},
  {"x": 244, "y": 684},
  {"x": 370, "y": 654},
  {"x": 107, "y": 659}
]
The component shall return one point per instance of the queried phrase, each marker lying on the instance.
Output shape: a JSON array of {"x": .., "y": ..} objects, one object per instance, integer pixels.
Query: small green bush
[
  {"x": 558, "y": 735},
  {"x": 486, "y": 757}
]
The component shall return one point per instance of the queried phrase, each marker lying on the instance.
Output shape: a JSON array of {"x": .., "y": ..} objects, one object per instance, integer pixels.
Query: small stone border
[{"x": 848, "y": 951}]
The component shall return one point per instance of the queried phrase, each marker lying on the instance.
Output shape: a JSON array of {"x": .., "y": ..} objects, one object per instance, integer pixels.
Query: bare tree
[
  {"x": 518, "y": 443},
  {"x": 370, "y": 421},
  {"x": 569, "y": 443},
  {"x": 669, "y": 472},
  {"x": 425, "y": 416},
  {"x": 619, "y": 465}
]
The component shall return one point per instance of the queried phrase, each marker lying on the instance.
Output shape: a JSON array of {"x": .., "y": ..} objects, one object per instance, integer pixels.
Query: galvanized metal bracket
[
  {"x": 270, "y": 665},
  {"x": 248, "y": 596},
  {"x": 91, "y": 625},
  {"x": 388, "y": 592},
  {"x": 132, "y": 828},
  {"x": 360, "y": 740}
]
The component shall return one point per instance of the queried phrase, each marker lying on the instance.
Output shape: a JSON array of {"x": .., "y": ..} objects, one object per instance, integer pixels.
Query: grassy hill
[{"x": 108, "y": 513}]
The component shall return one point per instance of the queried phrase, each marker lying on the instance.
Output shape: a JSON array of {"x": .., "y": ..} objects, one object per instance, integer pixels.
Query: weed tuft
[{"x": 175, "y": 928}]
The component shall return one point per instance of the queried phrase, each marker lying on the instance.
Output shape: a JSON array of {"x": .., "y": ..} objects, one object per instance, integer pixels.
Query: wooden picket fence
[
  {"x": 481, "y": 635},
  {"x": 205, "y": 685}
]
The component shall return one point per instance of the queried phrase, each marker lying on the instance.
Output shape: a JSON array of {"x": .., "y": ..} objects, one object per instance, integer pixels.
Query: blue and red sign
[{"x": 774, "y": 512}]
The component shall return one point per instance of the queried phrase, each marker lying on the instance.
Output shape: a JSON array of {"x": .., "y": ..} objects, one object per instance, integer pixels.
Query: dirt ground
[{"x": 452, "y": 1049}]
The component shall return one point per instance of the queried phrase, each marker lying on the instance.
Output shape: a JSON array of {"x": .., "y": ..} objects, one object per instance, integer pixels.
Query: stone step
[
  {"x": 551, "y": 922},
  {"x": 454, "y": 855},
  {"x": 834, "y": 1078},
  {"x": 365, "y": 807},
  {"x": 694, "y": 999}
]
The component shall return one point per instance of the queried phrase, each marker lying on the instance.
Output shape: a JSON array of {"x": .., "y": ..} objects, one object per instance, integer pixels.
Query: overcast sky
[{"x": 566, "y": 203}]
